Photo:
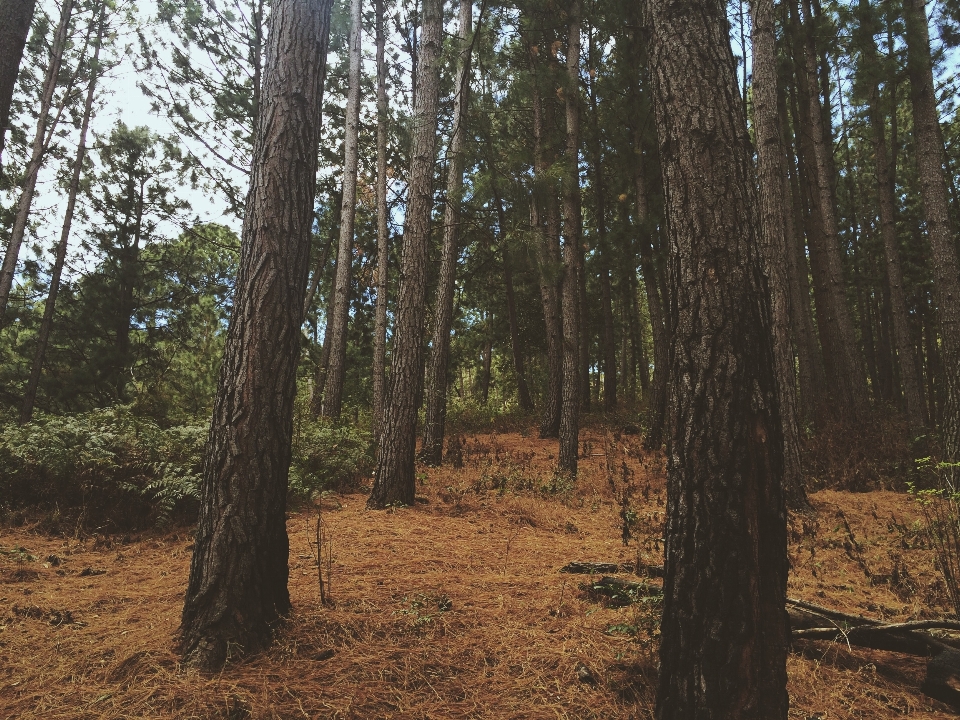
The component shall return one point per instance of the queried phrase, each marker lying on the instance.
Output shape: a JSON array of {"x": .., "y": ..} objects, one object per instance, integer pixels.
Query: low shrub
[{"x": 328, "y": 457}]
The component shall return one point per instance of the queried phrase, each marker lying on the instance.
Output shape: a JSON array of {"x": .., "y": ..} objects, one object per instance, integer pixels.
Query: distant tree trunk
[
  {"x": 936, "y": 210},
  {"x": 486, "y": 362},
  {"x": 238, "y": 576},
  {"x": 383, "y": 236},
  {"x": 547, "y": 251},
  {"x": 655, "y": 305},
  {"x": 129, "y": 272},
  {"x": 320, "y": 371},
  {"x": 843, "y": 362},
  {"x": 318, "y": 269},
  {"x": 572, "y": 257},
  {"x": 38, "y": 151},
  {"x": 516, "y": 344},
  {"x": 395, "y": 480},
  {"x": 15, "y": 19},
  {"x": 436, "y": 381},
  {"x": 773, "y": 210},
  {"x": 909, "y": 377},
  {"x": 725, "y": 633},
  {"x": 336, "y": 367},
  {"x": 60, "y": 252}
]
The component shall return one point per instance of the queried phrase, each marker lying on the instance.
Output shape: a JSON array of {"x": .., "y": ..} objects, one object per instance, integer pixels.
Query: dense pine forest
[{"x": 331, "y": 331}]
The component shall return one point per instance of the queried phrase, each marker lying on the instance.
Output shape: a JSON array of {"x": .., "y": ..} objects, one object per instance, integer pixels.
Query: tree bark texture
[
  {"x": 572, "y": 257},
  {"x": 844, "y": 364},
  {"x": 60, "y": 252},
  {"x": 383, "y": 235},
  {"x": 547, "y": 252},
  {"x": 238, "y": 575},
  {"x": 336, "y": 367},
  {"x": 725, "y": 631},
  {"x": 909, "y": 378},
  {"x": 436, "y": 379},
  {"x": 930, "y": 159},
  {"x": 773, "y": 211},
  {"x": 395, "y": 479},
  {"x": 15, "y": 19},
  {"x": 38, "y": 150}
]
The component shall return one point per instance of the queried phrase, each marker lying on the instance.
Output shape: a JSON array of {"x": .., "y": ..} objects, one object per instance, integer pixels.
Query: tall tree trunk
[
  {"x": 516, "y": 344},
  {"x": 436, "y": 381},
  {"x": 15, "y": 19},
  {"x": 725, "y": 633},
  {"x": 336, "y": 368},
  {"x": 573, "y": 340},
  {"x": 129, "y": 272},
  {"x": 238, "y": 576},
  {"x": 41, "y": 142},
  {"x": 936, "y": 211},
  {"x": 60, "y": 252},
  {"x": 547, "y": 251},
  {"x": 773, "y": 210},
  {"x": 383, "y": 236},
  {"x": 655, "y": 301},
  {"x": 395, "y": 480},
  {"x": 486, "y": 361},
  {"x": 909, "y": 378},
  {"x": 844, "y": 366}
]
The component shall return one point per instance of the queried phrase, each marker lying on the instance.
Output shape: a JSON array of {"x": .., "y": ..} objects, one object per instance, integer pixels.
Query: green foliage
[
  {"x": 327, "y": 456},
  {"x": 108, "y": 467}
]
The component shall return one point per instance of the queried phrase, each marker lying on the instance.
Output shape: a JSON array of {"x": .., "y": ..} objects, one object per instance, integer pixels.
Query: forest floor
[{"x": 453, "y": 608}]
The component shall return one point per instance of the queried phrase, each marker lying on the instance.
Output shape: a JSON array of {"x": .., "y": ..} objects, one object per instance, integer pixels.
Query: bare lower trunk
[
  {"x": 725, "y": 632},
  {"x": 383, "y": 237},
  {"x": 909, "y": 378},
  {"x": 773, "y": 209},
  {"x": 38, "y": 150},
  {"x": 60, "y": 252},
  {"x": 572, "y": 259},
  {"x": 394, "y": 479},
  {"x": 238, "y": 576},
  {"x": 336, "y": 368},
  {"x": 936, "y": 211},
  {"x": 15, "y": 18}
]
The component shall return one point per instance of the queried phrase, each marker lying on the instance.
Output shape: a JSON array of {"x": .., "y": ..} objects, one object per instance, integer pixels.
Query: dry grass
[{"x": 453, "y": 608}]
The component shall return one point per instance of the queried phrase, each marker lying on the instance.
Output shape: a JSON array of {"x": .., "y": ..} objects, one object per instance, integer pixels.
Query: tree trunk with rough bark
[
  {"x": 336, "y": 367},
  {"x": 572, "y": 258},
  {"x": 843, "y": 361},
  {"x": 38, "y": 151},
  {"x": 60, "y": 252},
  {"x": 436, "y": 381},
  {"x": 870, "y": 69},
  {"x": 395, "y": 478},
  {"x": 383, "y": 236},
  {"x": 773, "y": 210},
  {"x": 930, "y": 158},
  {"x": 238, "y": 576},
  {"x": 547, "y": 251},
  {"x": 15, "y": 19},
  {"x": 725, "y": 632}
]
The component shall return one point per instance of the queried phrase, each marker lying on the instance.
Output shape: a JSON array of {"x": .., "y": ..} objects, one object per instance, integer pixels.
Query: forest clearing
[{"x": 453, "y": 608}]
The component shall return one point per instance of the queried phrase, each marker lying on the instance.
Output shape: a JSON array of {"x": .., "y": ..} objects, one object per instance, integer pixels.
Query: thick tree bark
[
  {"x": 60, "y": 252},
  {"x": 936, "y": 211},
  {"x": 15, "y": 19},
  {"x": 383, "y": 236},
  {"x": 38, "y": 151},
  {"x": 572, "y": 258},
  {"x": 336, "y": 367},
  {"x": 395, "y": 479},
  {"x": 547, "y": 252},
  {"x": 870, "y": 70},
  {"x": 436, "y": 381},
  {"x": 844, "y": 365},
  {"x": 725, "y": 632},
  {"x": 238, "y": 575},
  {"x": 773, "y": 210}
]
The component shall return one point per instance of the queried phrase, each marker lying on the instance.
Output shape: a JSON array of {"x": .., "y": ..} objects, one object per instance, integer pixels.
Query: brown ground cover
[{"x": 453, "y": 608}]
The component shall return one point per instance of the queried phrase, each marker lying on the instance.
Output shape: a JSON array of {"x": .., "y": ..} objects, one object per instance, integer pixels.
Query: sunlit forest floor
[{"x": 453, "y": 608}]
